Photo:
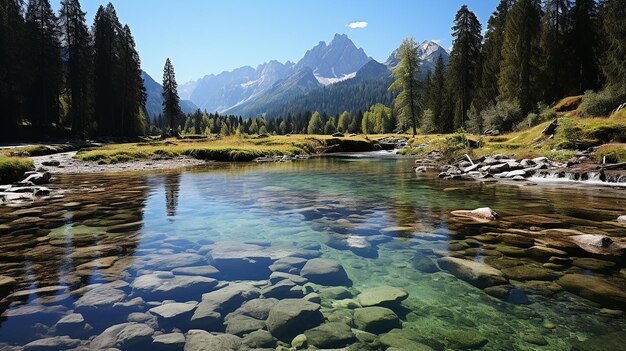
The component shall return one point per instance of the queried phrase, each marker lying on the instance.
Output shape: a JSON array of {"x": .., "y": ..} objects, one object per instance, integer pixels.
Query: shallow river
[{"x": 85, "y": 261}]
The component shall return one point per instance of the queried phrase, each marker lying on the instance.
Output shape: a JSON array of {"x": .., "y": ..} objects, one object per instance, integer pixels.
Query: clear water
[{"x": 325, "y": 204}]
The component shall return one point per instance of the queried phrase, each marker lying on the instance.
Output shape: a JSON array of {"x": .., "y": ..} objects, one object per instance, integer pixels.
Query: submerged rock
[
  {"x": 325, "y": 272},
  {"x": 168, "y": 342},
  {"x": 595, "y": 289},
  {"x": 200, "y": 340},
  {"x": 480, "y": 215},
  {"x": 476, "y": 273},
  {"x": 215, "y": 305},
  {"x": 290, "y": 317},
  {"x": 98, "y": 299},
  {"x": 330, "y": 335},
  {"x": 175, "y": 314},
  {"x": 376, "y": 320},
  {"x": 165, "y": 285},
  {"x": 388, "y": 296},
  {"x": 126, "y": 336},
  {"x": 260, "y": 339},
  {"x": 612, "y": 341},
  {"x": 52, "y": 344},
  {"x": 7, "y": 284}
]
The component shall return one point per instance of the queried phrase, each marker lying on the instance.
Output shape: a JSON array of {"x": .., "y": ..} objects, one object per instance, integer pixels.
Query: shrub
[
  {"x": 614, "y": 153},
  {"x": 571, "y": 132},
  {"x": 503, "y": 116},
  {"x": 12, "y": 168},
  {"x": 599, "y": 104}
]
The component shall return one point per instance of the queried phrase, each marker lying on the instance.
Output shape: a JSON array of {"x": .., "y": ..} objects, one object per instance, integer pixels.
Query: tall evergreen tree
[
  {"x": 12, "y": 59},
  {"x": 518, "y": 80},
  {"x": 171, "y": 101},
  {"x": 436, "y": 98},
  {"x": 77, "y": 43},
  {"x": 406, "y": 82},
  {"x": 465, "y": 62},
  {"x": 614, "y": 61},
  {"x": 45, "y": 63},
  {"x": 131, "y": 117},
  {"x": 492, "y": 55},
  {"x": 106, "y": 30},
  {"x": 554, "y": 56},
  {"x": 583, "y": 40}
]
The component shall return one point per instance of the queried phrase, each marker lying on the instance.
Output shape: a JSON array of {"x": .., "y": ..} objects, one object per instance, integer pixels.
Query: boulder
[
  {"x": 335, "y": 293},
  {"x": 621, "y": 219},
  {"x": 399, "y": 340},
  {"x": 257, "y": 308},
  {"x": 290, "y": 317},
  {"x": 215, "y": 305},
  {"x": 595, "y": 289},
  {"x": 38, "y": 178},
  {"x": 276, "y": 277},
  {"x": 330, "y": 335},
  {"x": 173, "y": 261},
  {"x": 528, "y": 272},
  {"x": 260, "y": 339},
  {"x": 382, "y": 296},
  {"x": 238, "y": 261},
  {"x": 167, "y": 286},
  {"x": 205, "y": 271},
  {"x": 593, "y": 264},
  {"x": 126, "y": 336},
  {"x": 168, "y": 342},
  {"x": 98, "y": 299},
  {"x": 376, "y": 320},
  {"x": 281, "y": 290},
  {"x": 73, "y": 324},
  {"x": 200, "y": 340},
  {"x": 241, "y": 325},
  {"x": 325, "y": 272},
  {"x": 288, "y": 265},
  {"x": 476, "y": 273},
  {"x": 174, "y": 314},
  {"x": 52, "y": 344},
  {"x": 479, "y": 215}
]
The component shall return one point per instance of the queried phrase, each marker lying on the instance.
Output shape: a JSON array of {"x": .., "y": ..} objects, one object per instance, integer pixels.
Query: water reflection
[{"x": 386, "y": 225}]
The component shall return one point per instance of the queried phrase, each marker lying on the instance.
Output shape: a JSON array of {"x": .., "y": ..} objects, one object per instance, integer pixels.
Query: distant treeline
[{"x": 59, "y": 78}]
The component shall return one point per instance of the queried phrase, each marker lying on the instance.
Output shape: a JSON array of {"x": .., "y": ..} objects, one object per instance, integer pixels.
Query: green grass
[
  {"x": 231, "y": 148},
  {"x": 12, "y": 168},
  {"x": 614, "y": 153}
]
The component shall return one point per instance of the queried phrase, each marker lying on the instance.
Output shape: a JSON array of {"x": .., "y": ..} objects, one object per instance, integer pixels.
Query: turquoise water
[{"x": 376, "y": 217}]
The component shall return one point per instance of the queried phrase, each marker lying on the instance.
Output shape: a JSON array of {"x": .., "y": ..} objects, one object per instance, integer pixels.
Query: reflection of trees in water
[
  {"x": 172, "y": 187},
  {"x": 66, "y": 258}
]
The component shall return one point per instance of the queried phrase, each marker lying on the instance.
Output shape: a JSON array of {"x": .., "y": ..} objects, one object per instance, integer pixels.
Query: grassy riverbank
[
  {"x": 574, "y": 133},
  {"x": 12, "y": 168},
  {"x": 230, "y": 148}
]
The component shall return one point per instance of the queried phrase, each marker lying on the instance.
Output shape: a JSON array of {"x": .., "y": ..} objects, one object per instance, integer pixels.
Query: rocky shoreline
[{"x": 507, "y": 168}]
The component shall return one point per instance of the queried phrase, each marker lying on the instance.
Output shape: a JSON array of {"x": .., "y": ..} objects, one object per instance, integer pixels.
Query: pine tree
[
  {"x": 77, "y": 43},
  {"x": 316, "y": 125},
  {"x": 406, "y": 82},
  {"x": 555, "y": 26},
  {"x": 465, "y": 62},
  {"x": 106, "y": 30},
  {"x": 171, "y": 101},
  {"x": 343, "y": 124},
  {"x": 614, "y": 61},
  {"x": 12, "y": 65},
  {"x": 518, "y": 80},
  {"x": 45, "y": 64},
  {"x": 330, "y": 127},
  {"x": 583, "y": 41},
  {"x": 131, "y": 117},
  {"x": 492, "y": 55},
  {"x": 436, "y": 98}
]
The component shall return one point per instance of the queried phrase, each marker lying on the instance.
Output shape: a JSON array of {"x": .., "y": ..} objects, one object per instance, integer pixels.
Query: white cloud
[{"x": 357, "y": 25}]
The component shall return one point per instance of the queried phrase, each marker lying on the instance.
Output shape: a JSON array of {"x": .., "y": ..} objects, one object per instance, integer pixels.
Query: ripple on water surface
[{"x": 326, "y": 253}]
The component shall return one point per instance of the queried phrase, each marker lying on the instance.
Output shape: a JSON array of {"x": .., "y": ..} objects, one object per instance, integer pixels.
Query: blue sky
[{"x": 210, "y": 36}]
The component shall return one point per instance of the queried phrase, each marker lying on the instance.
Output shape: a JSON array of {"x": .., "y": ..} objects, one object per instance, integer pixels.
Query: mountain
[
  {"x": 154, "y": 101},
  {"x": 337, "y": 60},
  {"x": 369, "y": 86},
  {"x": 428, "y": 52},
  {"x": 244, "y": 88}
]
